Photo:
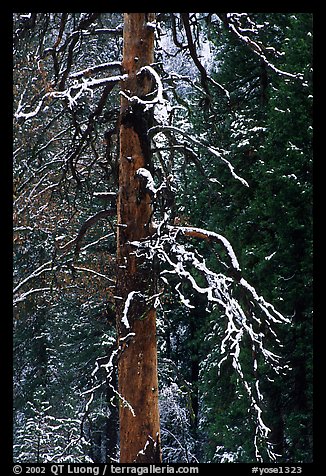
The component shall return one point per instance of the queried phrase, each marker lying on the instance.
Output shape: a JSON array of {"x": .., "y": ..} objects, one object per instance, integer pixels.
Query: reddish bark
[{"x": 137, "y": 367}]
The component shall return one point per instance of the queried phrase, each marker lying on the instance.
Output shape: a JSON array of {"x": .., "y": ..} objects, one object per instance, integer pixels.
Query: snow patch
[{"x": 130, "y": 297}]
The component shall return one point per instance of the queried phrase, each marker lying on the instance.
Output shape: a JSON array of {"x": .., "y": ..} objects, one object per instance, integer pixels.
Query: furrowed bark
[{"x": 137, "y": 367}]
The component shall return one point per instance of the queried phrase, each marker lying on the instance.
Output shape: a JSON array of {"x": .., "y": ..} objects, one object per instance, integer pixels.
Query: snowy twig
[
  {"x": 23, "y": 296},
  {"x": 109, "y": 366},
  {"x": 72, "y": 94},
  {"x": 88, "y": 270},
  {"x": 41, "y": 269},
  {"x": 48, "y": 267},
  {"x": 200, "y": 233},
  {"x": 157, "y": 129},
  {"x": 230, "y": 19}
]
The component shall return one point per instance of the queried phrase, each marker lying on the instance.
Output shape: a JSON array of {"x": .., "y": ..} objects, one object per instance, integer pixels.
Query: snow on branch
[
  {"x": 159, "y": 91},
  {"x": 23, "y": 296},
  {"x": 50, "y": 267},
  {"x": 109, "y": 364},
  {"x": 72, "y": 94},
  {"x": 250, "y": 320},
  {"x": 208, "y": 235},
  {"x": 157, "y": 129},
  {"x": 146, "y": 176},
  {"x": 92, "y": 271},
  {"x": 95, "y": 69},
  {"x": 41, "y": 269},
  {"x": 231, "y": 20}
]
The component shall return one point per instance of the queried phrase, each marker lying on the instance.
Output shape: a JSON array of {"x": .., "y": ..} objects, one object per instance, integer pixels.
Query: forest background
[{"x": 258, "y": 114}]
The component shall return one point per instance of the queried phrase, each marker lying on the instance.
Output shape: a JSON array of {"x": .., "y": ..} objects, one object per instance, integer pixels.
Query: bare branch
[
  {"x": 95, "y": 69},
  {"x": 193, "y": 53},
  {"x": 86, "y": 225}
]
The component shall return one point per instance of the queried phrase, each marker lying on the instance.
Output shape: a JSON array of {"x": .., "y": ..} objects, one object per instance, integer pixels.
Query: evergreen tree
[{"x": 269, "y": 223}]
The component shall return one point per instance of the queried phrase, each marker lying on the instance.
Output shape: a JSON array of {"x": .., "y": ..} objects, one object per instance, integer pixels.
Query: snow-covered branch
[
  {"x": 249, "y": 318},
  {"x": 72, "y": 94},
  {"x": 95, "y": 69},
  {"x": 200, "y": 233},
  {"x": 37, "y": 272},
  {"x": 231, "y": 20},
  {"x": 92, "y": 271},
  {"x": 157, "y": 129},
  {"x": 158, "y": 99},
  {"x": 49, "y": 267},
  {"x": 109, "y": 364},
  {"x": 23, "y": 296}
]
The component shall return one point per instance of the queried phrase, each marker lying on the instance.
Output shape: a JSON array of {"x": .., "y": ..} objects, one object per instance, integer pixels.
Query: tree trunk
[{"x": 137, "y": 367}]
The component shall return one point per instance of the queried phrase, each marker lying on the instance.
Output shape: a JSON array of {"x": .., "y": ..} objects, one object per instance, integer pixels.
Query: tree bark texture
[{"x": 137, "y": 367}]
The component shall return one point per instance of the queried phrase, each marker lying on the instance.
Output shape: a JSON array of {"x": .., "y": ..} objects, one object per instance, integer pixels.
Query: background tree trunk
[{"x": 137, "y": 368}]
